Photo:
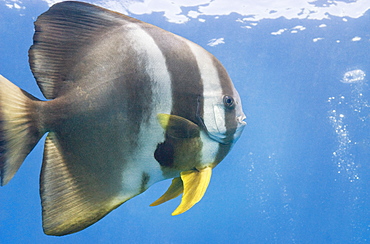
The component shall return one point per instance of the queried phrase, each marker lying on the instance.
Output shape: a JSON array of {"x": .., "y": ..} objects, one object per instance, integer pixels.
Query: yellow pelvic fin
[
  {"x": 175, "y": 189},
  {"x": 195, "y": 185}
]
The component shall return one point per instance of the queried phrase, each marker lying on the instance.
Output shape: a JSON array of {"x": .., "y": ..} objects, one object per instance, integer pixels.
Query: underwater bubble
[
  {"x": 353, "y": 76},
  {"x": 349, "y": 114}
]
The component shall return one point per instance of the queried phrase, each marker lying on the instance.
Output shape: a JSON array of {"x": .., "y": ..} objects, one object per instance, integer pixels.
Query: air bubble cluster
[{"x": 354, "y": 76}]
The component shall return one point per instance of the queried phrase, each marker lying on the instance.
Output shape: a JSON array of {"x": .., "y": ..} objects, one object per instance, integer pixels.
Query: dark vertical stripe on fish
[
  {"x": 230, "y": 114},
  {"x": 186, "y": 82},
  {"x": 186, "y": 85}
]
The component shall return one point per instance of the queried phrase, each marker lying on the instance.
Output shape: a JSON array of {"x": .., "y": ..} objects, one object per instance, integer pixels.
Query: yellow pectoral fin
[
  {"x": 178, "y": 127},
  {"x": 195, "y": 185},
  {"x": 175, "y": 189},
  {"x": 163, "y": 120}
]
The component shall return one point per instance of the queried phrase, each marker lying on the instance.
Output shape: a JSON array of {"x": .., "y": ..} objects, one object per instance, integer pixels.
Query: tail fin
[{"x": 19, "y": 132}]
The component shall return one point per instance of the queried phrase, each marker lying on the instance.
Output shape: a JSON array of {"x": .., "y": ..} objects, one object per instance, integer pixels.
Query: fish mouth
[
  {"x": 241, "y": 124},
  {"x": 241, "y": 120}
]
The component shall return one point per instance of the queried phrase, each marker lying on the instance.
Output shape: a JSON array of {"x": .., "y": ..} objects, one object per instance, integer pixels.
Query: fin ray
[
  {"x": 195, "y": 185},
  {"x": 62, "y": 36},
  {"x": 19, "y": 132},
  {"x": 175, "y": 189},
  {"x": 68, "y": 205}
]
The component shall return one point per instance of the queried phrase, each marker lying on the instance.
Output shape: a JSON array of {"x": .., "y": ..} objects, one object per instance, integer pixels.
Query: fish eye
[{"x": 229, "y": 102}]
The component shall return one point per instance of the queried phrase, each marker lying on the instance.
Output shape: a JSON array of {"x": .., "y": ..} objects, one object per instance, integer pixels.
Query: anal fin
[{"x": 68, "y": 204}]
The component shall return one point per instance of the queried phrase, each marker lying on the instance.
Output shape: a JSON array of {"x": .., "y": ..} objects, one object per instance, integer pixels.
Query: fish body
[{"x": 128, "y": 105}]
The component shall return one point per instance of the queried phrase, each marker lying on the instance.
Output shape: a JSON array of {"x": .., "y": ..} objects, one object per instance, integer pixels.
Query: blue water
[{"x": 299, "y": 173}]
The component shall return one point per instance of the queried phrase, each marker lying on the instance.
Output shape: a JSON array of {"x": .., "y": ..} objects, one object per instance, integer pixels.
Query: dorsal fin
[{"x": 63, "y": 34}]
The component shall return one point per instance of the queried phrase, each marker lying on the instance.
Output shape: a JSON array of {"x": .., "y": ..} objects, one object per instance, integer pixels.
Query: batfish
[{"x": 127, "y": 105}]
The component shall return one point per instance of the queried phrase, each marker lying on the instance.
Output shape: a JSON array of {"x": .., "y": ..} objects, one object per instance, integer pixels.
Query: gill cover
[
  {"x": 223, "y": 121},
  {"x": 192, "y": 183}
]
